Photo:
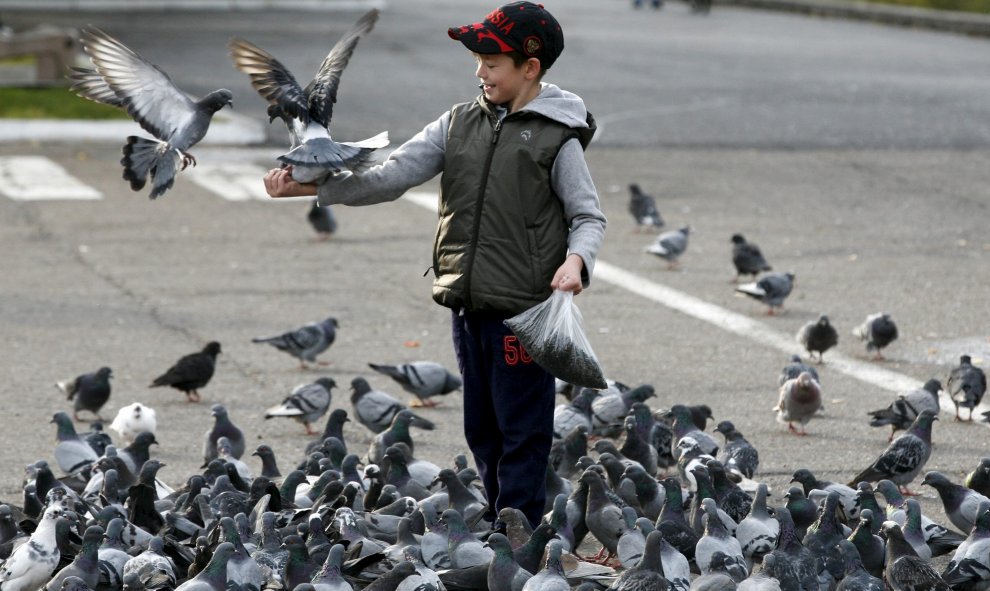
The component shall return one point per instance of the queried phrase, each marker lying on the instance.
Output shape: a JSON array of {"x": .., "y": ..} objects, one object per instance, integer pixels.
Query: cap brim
[{"x": 480, "y": 39}]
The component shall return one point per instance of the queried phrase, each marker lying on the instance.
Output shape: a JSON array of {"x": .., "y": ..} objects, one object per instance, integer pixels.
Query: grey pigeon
[
  {"x": 85, "y": 565},
  {"x": 856, "y": 577},
  {"x": 322, "y": 219},
  {"x": 602, "y": 516},
  {"x": 967, "y": 384},
  {"x": 609, "y": 408},
  {"x": 551, "y": 578},
  {"x": 33, "y": 562},
  {"x": 306, "y": 342},
  {"x": 905, "y": 457},
  {"x": 329, "y": 577},
  {"x": 737, "y": 455},
  {"x": 648, "y": 574},
  {"x": 76, "y": 584},
  {"x": 643, "y": 208},
  {"x": 306, "y": 403},
  {"x": 817, "y": 337},
  {"x": 878, "y": 331},
  {"x": 869, "y": 546},
  {"x": 573, "y": 414},
  {"x": 391, "y": 580},
  {"x": 813, "y": 487},
  {"x": 137, "y": 453},
  {"x": 463, "y": 548},
  {"x": 214, "y": 576},
  {"x": 979, "y": 478},
  {"x": 772, "y": 289},
  {"x": 906, "y": 407},
  {"x": 632, "y": 543},
  {"x": 72, "y": 454},
  {"x": 153, "y": 568},
  {"x": 670, "y": 246},
  {"x": 113, "y": 554},
  {"x": 685, "y": 426},
  {"x": 757, "y": 532},
  {"x": 717, "y": 539},
  {"x": 397, "y": 431},
  {"x": 794, "y": 369},
  {"x": 504, "y": 573},
  {"x": 191, "y": 372},
  {"x": 222, "y": 427},
  {"x": 424, "y": 579},
  {"x": 151, "y": 98},
  {"x": 423, "y": 379},
  {"x": 970, "y": 565},
  {"x": 793, "y": 564},
  {"x": 373, "y": 408},
  {"x": 904, "y": 570},
  {"x": 307, "y": 111},
  {"x": 747, "y": 258},
  {"x": 961, "y": 504},
  {"x": 90, "y": 391},
  {"x": 799, "y": 400}
]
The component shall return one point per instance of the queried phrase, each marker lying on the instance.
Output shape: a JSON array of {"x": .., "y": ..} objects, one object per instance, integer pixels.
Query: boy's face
[{"x": 502, "y": 81}]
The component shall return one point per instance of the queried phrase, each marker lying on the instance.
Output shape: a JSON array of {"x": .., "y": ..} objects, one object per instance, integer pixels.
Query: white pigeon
[
  {"x": 33, "y": 563},
  {"x": 133, "y": 419}
]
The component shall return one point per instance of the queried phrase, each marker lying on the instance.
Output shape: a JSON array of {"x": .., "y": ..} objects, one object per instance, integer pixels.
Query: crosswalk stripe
[
  {"x": 37, "y": 178},
  {"x": 231, "y": 181}
]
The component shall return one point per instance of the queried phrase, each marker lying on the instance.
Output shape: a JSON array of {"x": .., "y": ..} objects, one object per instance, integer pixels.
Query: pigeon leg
[
  {"x": 908, "y": 492},
  {"x": 892, "y": 430},
  {"x": 302, "y": 365},
  {"x": 187, "y": 159},
  {"x": 75, "y": 417},
  {"x": 770, "y": 311},
  {"x": 324, "y": 363},
  {"x": 192, "y": 396},
  {"x": 309, "y": 429},
  {"x": 792, "y": 429},
  {"x": 879, "y": 356}
]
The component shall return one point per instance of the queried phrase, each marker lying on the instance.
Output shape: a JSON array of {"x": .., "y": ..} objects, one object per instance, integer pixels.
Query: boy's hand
[
  {"x": 568, "y": 275},
  {"x": 279, "y": 183}
]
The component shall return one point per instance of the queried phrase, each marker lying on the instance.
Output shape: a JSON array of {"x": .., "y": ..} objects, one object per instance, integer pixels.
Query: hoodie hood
[{"x": 553, "y": 103}]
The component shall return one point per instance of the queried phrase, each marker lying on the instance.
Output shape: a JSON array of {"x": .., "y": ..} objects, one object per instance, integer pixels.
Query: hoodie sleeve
[
  {"x": 571, "y": 180},
  {"x": 411, "y": 164}
]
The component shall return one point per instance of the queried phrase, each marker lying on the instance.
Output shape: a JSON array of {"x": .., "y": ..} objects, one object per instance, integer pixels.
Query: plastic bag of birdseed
[{"x": 553, "y": 334}]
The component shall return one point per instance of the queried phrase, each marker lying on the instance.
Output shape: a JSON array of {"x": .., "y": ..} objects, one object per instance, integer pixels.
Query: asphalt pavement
[{"x": 853, "y": 154}]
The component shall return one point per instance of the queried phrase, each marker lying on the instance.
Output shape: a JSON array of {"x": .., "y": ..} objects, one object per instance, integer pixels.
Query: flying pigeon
[
  {"x": 222, "y": 427},
  {"x": 306, "y": 403},
  {"x": 306, "y": 342},
  {"x": 643, "y": 208},
  {"x": 89, "y": 391},
  {"x": 423, "y": 379},
  {"x": 906, "y": 407},
  {"x": 322, "y": 220},
  {"x": 747, "y": 258},
  {"x": 818, "y": 336},
  {"x": 671, "y": 245},
  {"x": 799, "y": 400},
  {"x": 772, "y": 290},
  {"x": 191, "y": 372},
  {"x": 124, "y": 79},
  {"x": 967, "y": 384},
  {"x": 133, "y": 419},
  {"x": 905, "y": 457},
  {"x": 307, "y": 111},
  {"x": 878, "y": 330}
]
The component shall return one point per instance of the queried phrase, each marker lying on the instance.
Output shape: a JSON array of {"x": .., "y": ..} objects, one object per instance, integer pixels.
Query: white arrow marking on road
[{"x": 36, "y": 178}]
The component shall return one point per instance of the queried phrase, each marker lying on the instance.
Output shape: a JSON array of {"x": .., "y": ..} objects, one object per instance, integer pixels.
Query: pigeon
[
  {"x": 747, "y": 258},
  {"x": 869, "y": 546},
  {"x": 132, "y": 419},
  {"x": 307, "y": 111},
  {"x": 576, "y": 413},
  {"x": 904, "y": 570},
  {"x": 685, "y": 426},
  {"x": 772, "y": 290},
  {"x": 799, "y": 400},
  {"x": 967, "y": 384},
  {"x": 191, "y": 372},
  {"x": 373, "y": 408},
  {"x": 670, "y": 246},
  {"x": 504, "y": 573},
  {"x": 643, "y": 208},
  {"x": 423, "y": 379},
  {"x": 602, "y": 516},
  {"x": 960, "y": 503},
  {"x": 463, "y": 548},
  {"x": 136, "y": 454},
  {"x": 72, "y": 454},
  {"x": 391, "y": 580},
  {"x": 89, "y": 391},
  {"x": 817, "y": 337},
  {"x": 757, "y": 533},
  {"x": 151, "y": 98},
  {"x": 397, "y": 431},
  {"x": 551, "y": 578},
  {"x": 321, "y": 218},
  {"x": 32, "y": 563},
  {"x": 154, "y": 570},
  {"x": 814, "y": 488},
  {"x": 718, "y": 539},
  {"x": 970, "y": 564},
  {"x": 306, "y": 342},
  {"x": 794, "y": 369},
  {"x": 793, "y": 564},
  {"x": 609, "y": 408},
  {"x": 979, "y": 479},
  {"x": 878, "y": 330},
  {"x": 214, "y": 576},
  {"x": 222, "y": 427},
  {"x": 905, "y": 457},
  {"x": 85, "y": 565},
  {"x": 856, "y": 576},
  {"x": 305, "y": 404},
  {"x": 737, "y": 455},
  {"x": 906, "y": 407}
]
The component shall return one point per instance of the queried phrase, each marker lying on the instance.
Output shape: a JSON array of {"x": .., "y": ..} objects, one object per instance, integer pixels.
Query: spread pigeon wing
[
  {"x": 270, "y": 78},
  {"x": 322, "y": 91},
  {"x": 147, "y": 93},
  {"x": 88, "y": 83}
]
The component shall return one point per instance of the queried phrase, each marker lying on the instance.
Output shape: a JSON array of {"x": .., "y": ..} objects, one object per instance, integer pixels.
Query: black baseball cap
[{"x": 522, "y": 27}]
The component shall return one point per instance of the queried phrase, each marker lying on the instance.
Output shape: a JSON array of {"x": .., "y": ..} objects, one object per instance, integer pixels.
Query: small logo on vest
[{"x": 525, "y": 135}]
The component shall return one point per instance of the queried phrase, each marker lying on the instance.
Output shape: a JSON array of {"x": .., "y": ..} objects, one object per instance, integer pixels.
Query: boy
[{"x": 519, "y": 217}]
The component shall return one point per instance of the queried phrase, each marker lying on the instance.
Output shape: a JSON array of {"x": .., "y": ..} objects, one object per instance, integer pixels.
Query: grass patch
[
  {"x": 978, "y": 6},
  {"x": 52, "y": 103}
]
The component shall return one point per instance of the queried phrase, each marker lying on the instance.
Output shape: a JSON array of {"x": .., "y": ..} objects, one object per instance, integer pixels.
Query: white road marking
[
  {"x": 231, "y": 181},
  {"x": 36, "y": 178}
]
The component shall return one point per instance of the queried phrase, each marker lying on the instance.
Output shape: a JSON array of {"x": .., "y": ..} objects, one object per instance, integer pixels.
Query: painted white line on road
[
  {"x": 231, "y": 181},
  {"x": 36, "y": 178}
]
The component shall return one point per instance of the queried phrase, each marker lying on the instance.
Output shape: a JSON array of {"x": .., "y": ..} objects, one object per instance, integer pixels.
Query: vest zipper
[{"x": 496, "y": 129}]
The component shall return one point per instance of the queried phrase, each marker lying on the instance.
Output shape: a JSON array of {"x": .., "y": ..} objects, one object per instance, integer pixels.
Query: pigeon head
[
  {"x": 804, "y": 477},
  {"x": 263, "y": 451},
  {"x": 634, "y": 188},
  {"x": 104, "y": 373},
  {"x": 212, "y": 348},
  {"x": 738, "y": 239},
  {"x": 144, "y": 439},
  {"x": 725, "y": 428},
  {"x": 217, "y": 100},
  {"x": 74, "y": 584},
  {"x": 937, "y": 480},
  {"x": 331, "y": 321},
  {"x": 823, "y": 320},
  {"x": 360, "y": 387},
  {"x": 218, "y": 411},
  {"x": 327, "y": 383}
]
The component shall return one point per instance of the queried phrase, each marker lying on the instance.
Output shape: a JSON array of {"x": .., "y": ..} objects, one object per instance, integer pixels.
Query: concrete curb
[{"x": 940, "y": 20}]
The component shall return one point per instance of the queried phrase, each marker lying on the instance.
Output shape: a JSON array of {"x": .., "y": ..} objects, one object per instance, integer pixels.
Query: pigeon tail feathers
[{"x": 144, "y": 157}]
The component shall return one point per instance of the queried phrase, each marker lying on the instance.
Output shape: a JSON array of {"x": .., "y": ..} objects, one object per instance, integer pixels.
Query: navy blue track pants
[{"x": 508, "y": 412}]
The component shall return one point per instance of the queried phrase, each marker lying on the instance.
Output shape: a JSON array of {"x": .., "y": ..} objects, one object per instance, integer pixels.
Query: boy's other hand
[
  {"x": 568, "y": 275},
  {"x": 279, "y": 183}
]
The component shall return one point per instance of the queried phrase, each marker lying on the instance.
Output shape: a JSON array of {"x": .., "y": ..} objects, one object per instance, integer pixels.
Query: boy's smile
[{"x": 504, "y": 83}]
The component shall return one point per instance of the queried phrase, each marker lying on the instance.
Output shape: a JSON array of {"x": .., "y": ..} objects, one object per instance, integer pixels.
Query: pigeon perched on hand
[
  {"x": 747, "y": 258},
  {"x": 817, "y": 337},
  {"x": 799, "y": 400},
  {"x": 967, "y": 384},
  {"x": 878, "y": 330},
  {"x": 306, "y": 342},
  {"x": 670, "y": 246},
  {"x": 306, "y": 403},
  {"x": 643, "y": 208},
  {"x": 89, "y": 391},
  {"x": 133, "y": 419},
  {"x": 322, "y": 220},
  {"x": 191, "y": 372},
  {"x": 307, "y": 111},
  {"x": 905, "y": 457},
  {"x": 423, "y": 379},
  {"x": 151, "y": 98},
  {"x": 772, "y": 290},
  {"x": 905, "y": 409}
]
